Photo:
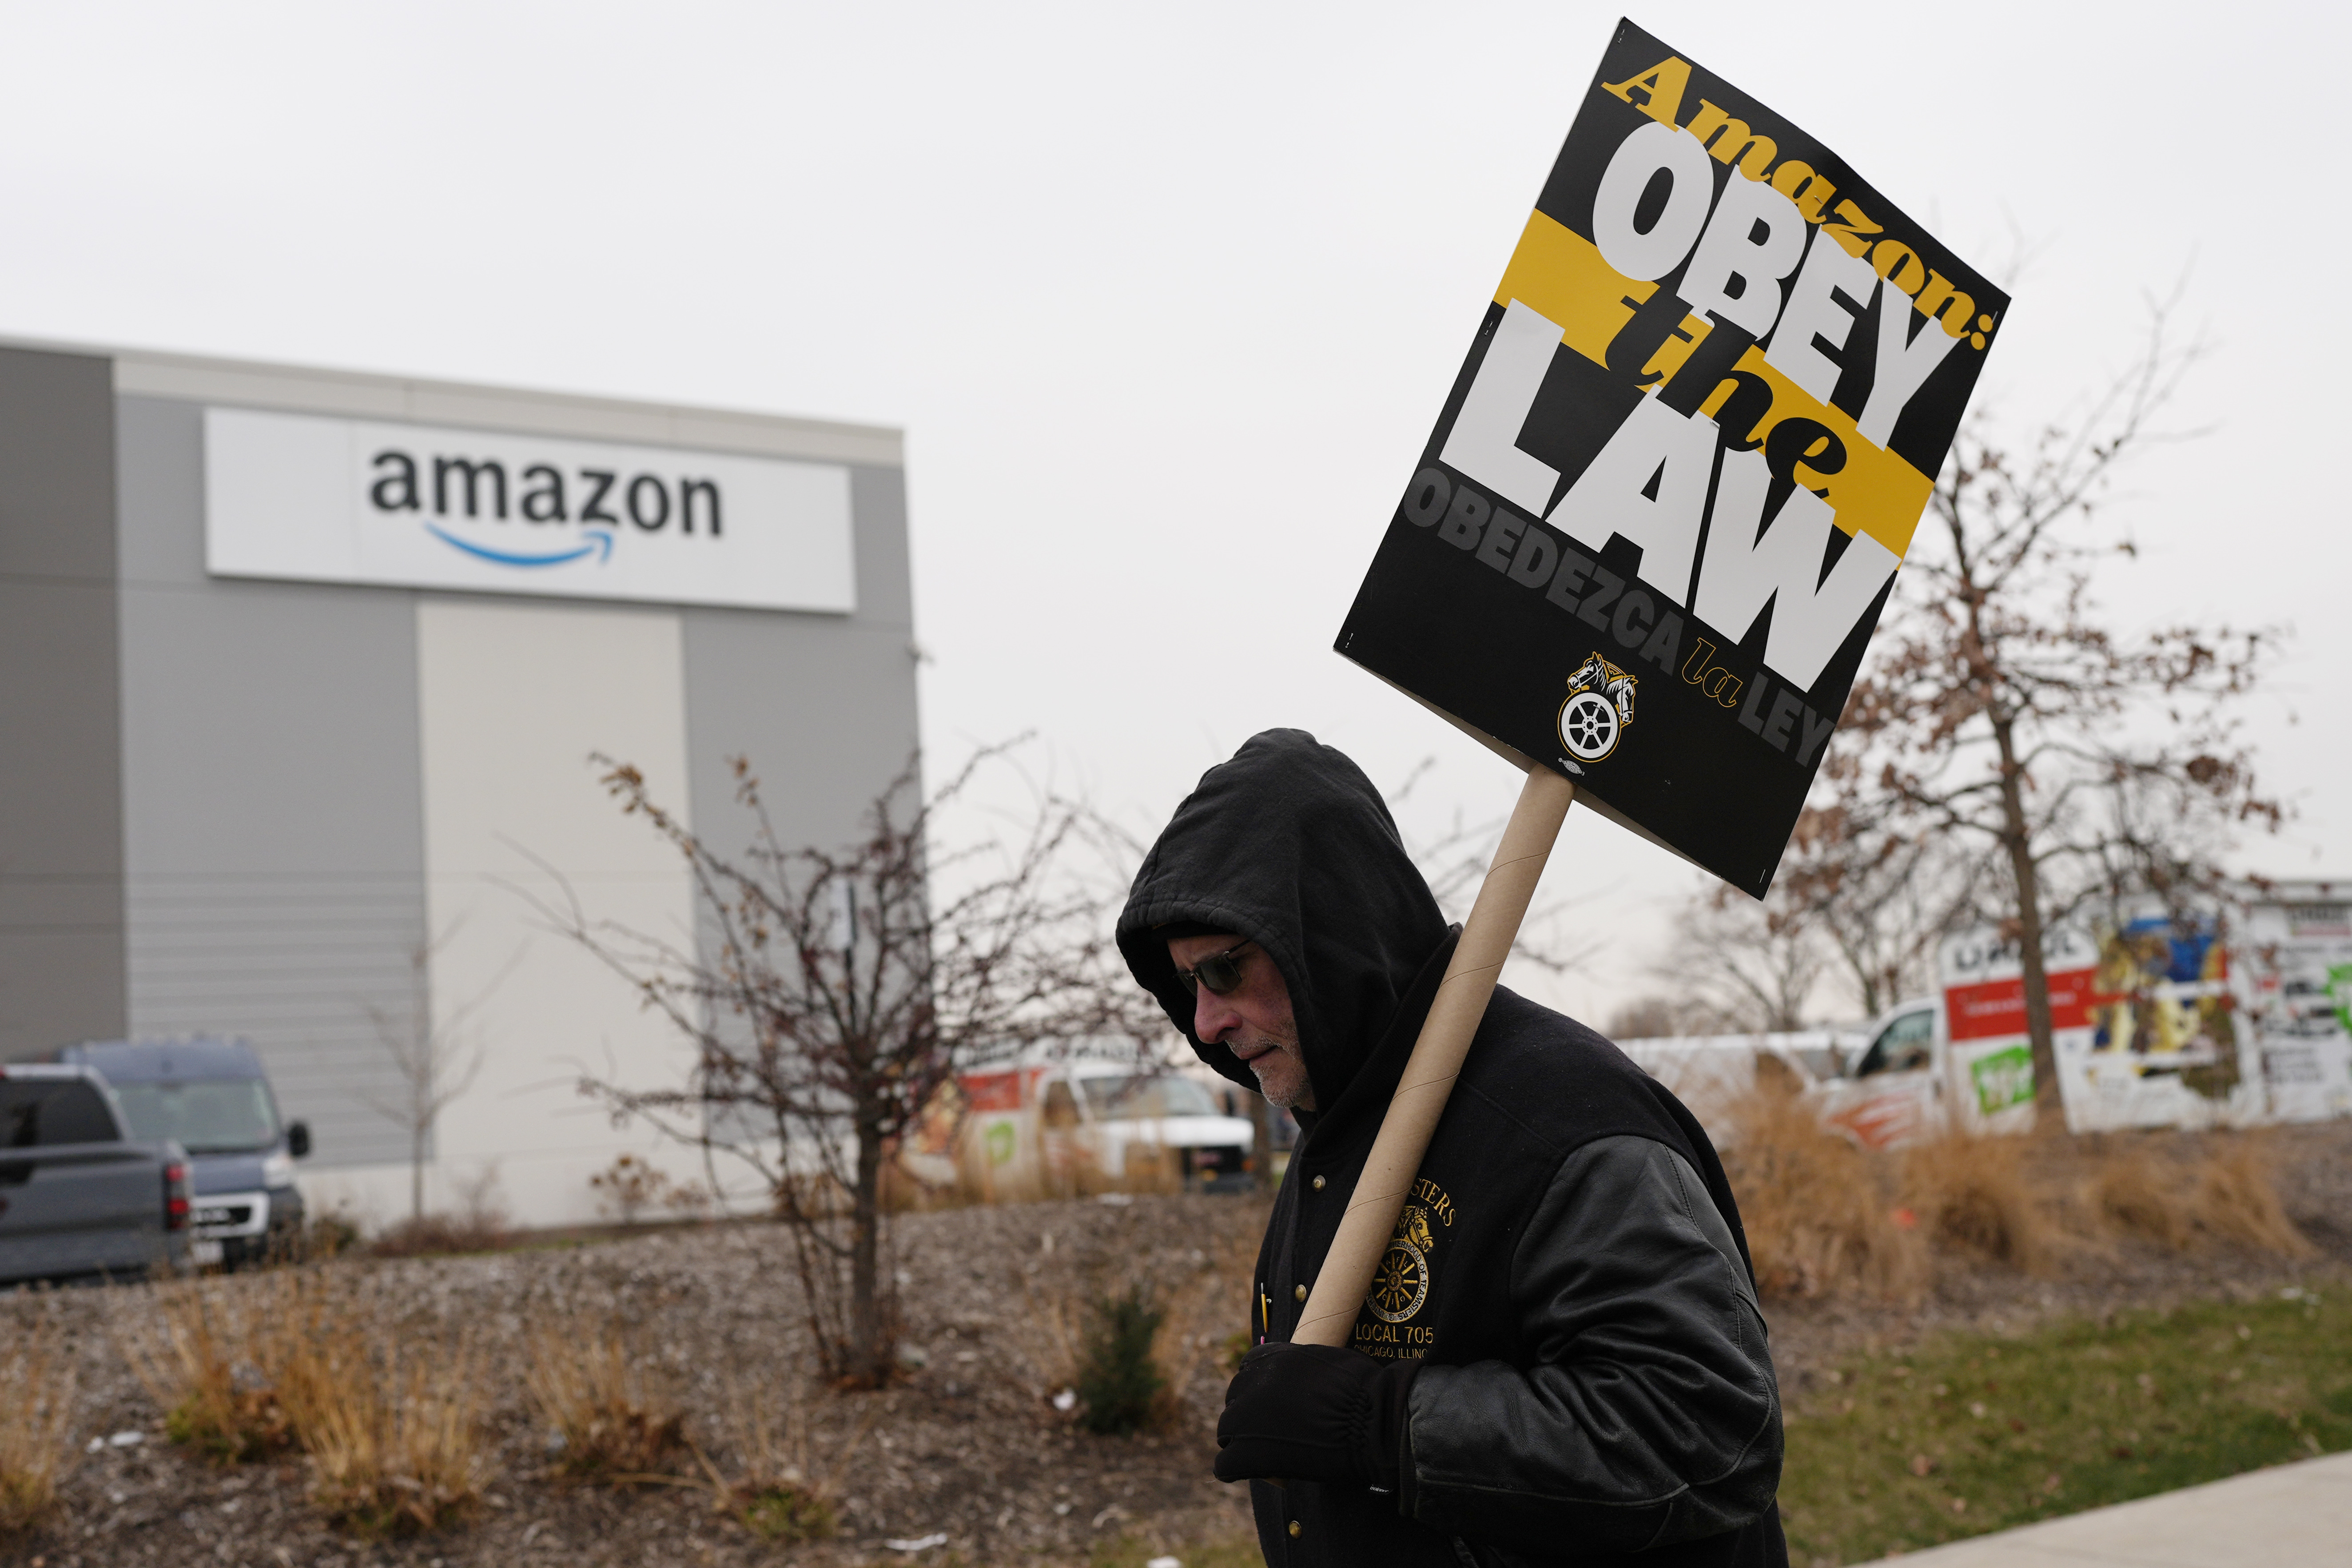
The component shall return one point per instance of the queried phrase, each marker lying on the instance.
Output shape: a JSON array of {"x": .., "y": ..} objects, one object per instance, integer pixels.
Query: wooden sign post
[{"x": 1437, "y": 1059}]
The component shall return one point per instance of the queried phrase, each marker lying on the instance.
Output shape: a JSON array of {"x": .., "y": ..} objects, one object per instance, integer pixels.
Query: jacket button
[
  {"x": 1294, "y": 1530},
  {"x": 1318, "y": 1183},
  {"x": 1299, "y": 1292}
]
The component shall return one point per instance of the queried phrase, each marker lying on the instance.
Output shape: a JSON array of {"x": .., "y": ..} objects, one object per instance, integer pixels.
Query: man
[{"x": 1562, "y": 1359}]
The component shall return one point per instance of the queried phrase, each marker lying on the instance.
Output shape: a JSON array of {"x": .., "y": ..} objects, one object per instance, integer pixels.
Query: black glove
[{"x": 1310, "y": 1413}]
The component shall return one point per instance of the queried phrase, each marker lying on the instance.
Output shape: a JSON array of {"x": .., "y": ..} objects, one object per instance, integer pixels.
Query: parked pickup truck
[{"x": 76, "y": 1195}]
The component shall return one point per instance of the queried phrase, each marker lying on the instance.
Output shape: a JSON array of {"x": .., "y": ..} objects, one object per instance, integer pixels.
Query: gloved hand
[{"x": 1310, "y": 1413}]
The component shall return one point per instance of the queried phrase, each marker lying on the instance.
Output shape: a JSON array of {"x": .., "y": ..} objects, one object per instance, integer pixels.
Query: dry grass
[
  {"x": 1825, "y": 1217},
  {"x": 390, "y": 1414},
  {"x": 616, "y": 1424},
  {"x": 36, "y": 1395},
  {"x": 444, "y": 1235},
  {"x": 1978, "y": 1194},
  {"x": 1818, "y": 1210},
  {"x": 776, "y": 1492},
  {"x": 213, "y": 1355},
  {"x": 2220, "y": 1189},
  {"x": 1198, "y": 1322}
]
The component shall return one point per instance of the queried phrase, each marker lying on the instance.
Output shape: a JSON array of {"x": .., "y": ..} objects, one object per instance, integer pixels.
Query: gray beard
[{"x": 1302, "y": 1099}]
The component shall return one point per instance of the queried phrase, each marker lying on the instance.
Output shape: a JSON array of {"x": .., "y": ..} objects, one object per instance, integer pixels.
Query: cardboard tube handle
[{"x": 1436, "y": 1060}]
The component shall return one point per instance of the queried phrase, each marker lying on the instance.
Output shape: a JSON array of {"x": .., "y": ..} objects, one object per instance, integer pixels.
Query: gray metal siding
[
  {"x": 274, "y": 837},
  {"x": 61, "y": 854},
  {"x": 824, "y": 706}
]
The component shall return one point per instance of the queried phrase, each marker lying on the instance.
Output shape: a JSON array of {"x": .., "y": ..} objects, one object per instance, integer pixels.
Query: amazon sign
[{"x": 348, "y": 500}]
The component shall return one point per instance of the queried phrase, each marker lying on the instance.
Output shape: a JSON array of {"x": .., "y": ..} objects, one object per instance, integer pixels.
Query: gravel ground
[{"x": 968, "y": 1444}]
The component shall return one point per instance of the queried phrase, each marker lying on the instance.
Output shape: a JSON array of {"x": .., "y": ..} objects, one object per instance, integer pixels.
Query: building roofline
[{"x": 310, "y": 389}]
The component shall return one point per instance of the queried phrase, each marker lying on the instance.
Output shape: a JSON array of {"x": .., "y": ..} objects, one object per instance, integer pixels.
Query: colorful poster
[
  {"x": 2164, "y": 1046},
  {"x": 1653, "y": 526},
  {"x": 2295, "y": 976}
]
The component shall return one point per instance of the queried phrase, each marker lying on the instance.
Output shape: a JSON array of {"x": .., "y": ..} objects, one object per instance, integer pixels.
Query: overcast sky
[{"x": 1168, "y": 300}]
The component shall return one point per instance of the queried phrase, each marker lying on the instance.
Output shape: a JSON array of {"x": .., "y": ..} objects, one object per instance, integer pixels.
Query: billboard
[{"x": 299, "y": 496}]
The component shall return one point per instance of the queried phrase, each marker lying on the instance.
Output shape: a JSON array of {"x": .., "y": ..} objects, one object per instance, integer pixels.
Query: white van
[
  {"x": 1116, "y": 1117},
  {"x": 1910, "y": 1082}
]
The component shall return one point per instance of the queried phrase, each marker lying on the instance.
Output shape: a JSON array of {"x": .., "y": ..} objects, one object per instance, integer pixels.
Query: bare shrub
[
  {"x": 213, "y": 1356},
  {"x": 831, "y": 994},
  {"x": 2223, "y": 1189},
  {"x": 631, "y": 1186},
  {"x": 776, "y": 1491},
  {"x": 1817, "y": 1211},
  {"x": 1978, "y": 1193},
  {"x": 390, "y": 1414},
  {"x": 443, "y": 1235},
  {"x": 616, "y": 1424},
  {"x": 37, "y": 1398}
]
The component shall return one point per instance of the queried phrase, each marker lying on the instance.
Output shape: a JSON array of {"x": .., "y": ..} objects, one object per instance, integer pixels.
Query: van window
[
  {"x": 39, "y": 1114},
  {"x": 1906, "y": 1045},
  {"x": 209, "y": 1116},
  {"x": 1144, "y": 1097},
  {"x": 1061, "y": 1108}
]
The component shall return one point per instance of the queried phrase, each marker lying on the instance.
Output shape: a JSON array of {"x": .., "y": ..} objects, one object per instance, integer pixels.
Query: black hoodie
[{"x": 1594, "y": 1382}]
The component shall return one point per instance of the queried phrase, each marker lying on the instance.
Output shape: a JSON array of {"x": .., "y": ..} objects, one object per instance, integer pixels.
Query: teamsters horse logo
[{"x": 1599, "y": 709}]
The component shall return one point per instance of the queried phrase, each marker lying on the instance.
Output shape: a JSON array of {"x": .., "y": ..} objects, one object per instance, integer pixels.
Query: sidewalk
[{"x": 2295, "y": 1516}]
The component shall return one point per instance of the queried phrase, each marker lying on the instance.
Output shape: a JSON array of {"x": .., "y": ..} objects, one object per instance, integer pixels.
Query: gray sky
[{"x": 1168, "y": 300}]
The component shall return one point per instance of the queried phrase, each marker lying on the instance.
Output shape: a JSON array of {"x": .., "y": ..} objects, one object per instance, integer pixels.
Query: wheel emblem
[
  {"x": 1588, "y": 726},
  {"x": 1401, "y": 1284}
]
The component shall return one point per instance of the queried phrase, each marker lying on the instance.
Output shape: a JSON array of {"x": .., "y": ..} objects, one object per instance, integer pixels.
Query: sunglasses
[{"x": 1220, "y": 972}]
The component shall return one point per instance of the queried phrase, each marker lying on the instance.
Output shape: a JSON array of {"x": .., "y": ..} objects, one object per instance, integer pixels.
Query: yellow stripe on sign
[
  {"x": 1876, "y": 492},
  {"x": 1560, "y": 275}
]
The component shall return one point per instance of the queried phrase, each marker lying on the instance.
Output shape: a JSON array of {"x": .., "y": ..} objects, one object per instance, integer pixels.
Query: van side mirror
[{"x": 298, "y": 1139}]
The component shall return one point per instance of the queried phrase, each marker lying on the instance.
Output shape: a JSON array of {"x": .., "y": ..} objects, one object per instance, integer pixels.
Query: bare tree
[
  {"x": 2003, "y": 711},
  {"x": 1875, "y": 891},
  {"x": 1740, "y": 966},
  {"x": 1658, "y": 1016},
  {"x": 1454, "y": 865},
  {"x": 435, "y": 1057},
  {"x": 833, "y": 992}
]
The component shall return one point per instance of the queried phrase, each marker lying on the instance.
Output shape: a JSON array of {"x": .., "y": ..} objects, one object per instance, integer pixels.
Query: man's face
[{"x": 1253, "y": 1020}]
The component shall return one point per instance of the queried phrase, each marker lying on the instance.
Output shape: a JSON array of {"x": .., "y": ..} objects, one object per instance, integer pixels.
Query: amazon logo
[{"x": 599, "y": 503}]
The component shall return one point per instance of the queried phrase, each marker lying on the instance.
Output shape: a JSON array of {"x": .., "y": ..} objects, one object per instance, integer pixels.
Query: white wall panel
[{"x": 513, "y": 700}]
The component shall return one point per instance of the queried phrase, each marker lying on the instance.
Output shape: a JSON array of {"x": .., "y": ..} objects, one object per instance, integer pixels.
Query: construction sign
[{"x": 1669, "y": 492}]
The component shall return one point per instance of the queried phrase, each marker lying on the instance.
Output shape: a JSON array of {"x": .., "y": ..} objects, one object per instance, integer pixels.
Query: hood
[{"x": 1290, "y": 845}]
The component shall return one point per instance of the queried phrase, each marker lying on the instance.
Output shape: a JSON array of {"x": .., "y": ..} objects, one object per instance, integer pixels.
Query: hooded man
[{"x": 1560, "y": 1359}]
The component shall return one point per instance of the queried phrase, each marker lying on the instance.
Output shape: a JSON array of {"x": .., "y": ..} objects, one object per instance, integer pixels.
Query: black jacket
[{"x": 1594, "y": 1381}]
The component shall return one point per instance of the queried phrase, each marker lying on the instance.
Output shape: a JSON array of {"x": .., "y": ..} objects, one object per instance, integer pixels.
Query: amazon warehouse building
[{"x": 304, "y": 676}]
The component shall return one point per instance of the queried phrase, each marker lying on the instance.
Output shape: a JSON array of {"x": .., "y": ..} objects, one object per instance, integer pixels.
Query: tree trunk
[
  {"x": 2016, "y": 839},
  {"x": 417, "y": 1135},
  {"x": 870, "y": 1346}
]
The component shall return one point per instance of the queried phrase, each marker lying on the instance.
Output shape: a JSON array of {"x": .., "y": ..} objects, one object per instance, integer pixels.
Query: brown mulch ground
[{"x": 969, "y": 1444}]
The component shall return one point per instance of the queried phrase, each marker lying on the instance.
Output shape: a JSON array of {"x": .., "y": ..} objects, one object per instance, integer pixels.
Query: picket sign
[{"x": 1648, "y": 540}]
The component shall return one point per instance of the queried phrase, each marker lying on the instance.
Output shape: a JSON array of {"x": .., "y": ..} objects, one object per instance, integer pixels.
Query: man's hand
[{"x": 1310, "y": 1413}]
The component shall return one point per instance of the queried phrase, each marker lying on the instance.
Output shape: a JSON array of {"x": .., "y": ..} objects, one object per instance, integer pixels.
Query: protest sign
[
  {"x": 1669, "y": 491},
  {"x": 1645, "y": 545}
]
